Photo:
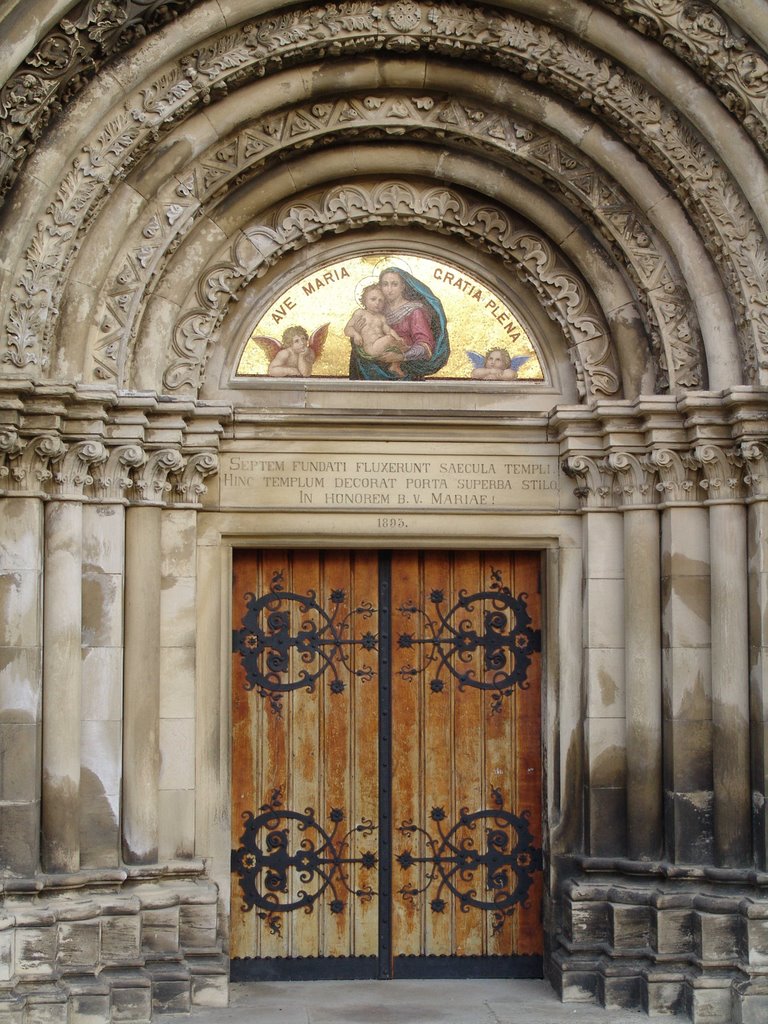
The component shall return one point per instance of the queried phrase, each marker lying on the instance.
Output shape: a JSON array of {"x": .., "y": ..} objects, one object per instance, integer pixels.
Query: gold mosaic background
[{"x": 478, "y": 319}]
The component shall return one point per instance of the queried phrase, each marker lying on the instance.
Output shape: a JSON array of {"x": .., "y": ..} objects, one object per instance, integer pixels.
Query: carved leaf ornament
[
  {"x": 661, "y": 135},
  {"x": 660, "y": 290},
  {"x": 535, "y": 260}
]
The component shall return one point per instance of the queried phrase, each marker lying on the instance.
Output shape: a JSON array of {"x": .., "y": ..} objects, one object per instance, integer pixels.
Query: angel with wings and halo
[
  {"x": 296, "y": 354},
  {"x": 496, "y": 364}
]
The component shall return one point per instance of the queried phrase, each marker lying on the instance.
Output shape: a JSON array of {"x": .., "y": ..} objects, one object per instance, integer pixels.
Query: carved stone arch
[
  {"x": 297, "y": 224},
  {"x": 716, "y": 47},
  {"x": 720, "y": 212},
  {"x": 542, "y": 155}
]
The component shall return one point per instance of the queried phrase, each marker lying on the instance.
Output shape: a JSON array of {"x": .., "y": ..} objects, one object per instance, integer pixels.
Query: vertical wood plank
[
  {"x": 499, "y": 727},
  {"x": 453, "y": 749},
  {"x": 469, "y": 773},
  {"x": 336, "y": 714},
  {"x": 528, "y": 767},
  {"x": 438, "y": 753},
  {"x": 406, "y": 779},
  {"x": 303, "y": 715},
  {"x": 242, "y": 934},
  {"x": 364, "y": 913},
  {"x": 272, "y": 737}
]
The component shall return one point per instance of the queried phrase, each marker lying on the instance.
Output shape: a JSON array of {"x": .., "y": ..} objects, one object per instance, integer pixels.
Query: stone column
[
  {"x": 603, "y": 645},
  {"x": 730, "y": 655},
  {"x": 755, "y": 455},
  {"x": 102, "y": 651},
  {"x": 686, "y": 668},
  {"x": 141, "y": 703},
  {"x": 62, "y": 617},
  {"x": 177, "y": 683},
  {"x": 178, "y": 638},
  {"x": 569, "y": 794},
  {"x": 21, "y": 564},
  {"x": 642, "y": 655},
  {"x": 62, "y": 659}
]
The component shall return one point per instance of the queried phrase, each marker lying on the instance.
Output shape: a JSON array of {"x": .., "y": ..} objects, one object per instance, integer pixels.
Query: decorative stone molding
[
  {"x": 150, "y": 481},
  {"x": 717, "y": 49},
  {"x": 634, "y": 479},
  {"x": 708, "y": 474},
  {"x": 681, "y": 949},
  {"x": 11, "y": 446},
  {"x": 62, "y": 62},
  {"x": 29, "y": 466},
  {"x": 755, "y": 456},
  {"x": 46, "y": 467},
  {"x": 722, "y": 478},
  {"x": 72, "y": 471},
  {"x": 618, "y": 480},
  {"x": 677, "y": 475},
  {"x": 662, "y": 137},
  {"x": 112, "y": 478},
  {"x": 539, "y": 153},
  {"x": 595, "y": 490},
  {"x": 564, "y": 295},
  {"x": 124, "y": 459},
  {"x": 188, "y": 486}
]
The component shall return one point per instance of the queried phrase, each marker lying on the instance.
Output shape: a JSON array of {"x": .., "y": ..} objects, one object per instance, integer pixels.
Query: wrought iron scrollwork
[
  {"x": 507, "y": 640},
  {"x": 287, "y": 861},
  {"x": 320, "y": 642},
  {"x": 492, "y": 843}
]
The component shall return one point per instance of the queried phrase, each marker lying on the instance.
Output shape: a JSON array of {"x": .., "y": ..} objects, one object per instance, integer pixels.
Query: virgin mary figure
[{"x": 417, "y": 315}]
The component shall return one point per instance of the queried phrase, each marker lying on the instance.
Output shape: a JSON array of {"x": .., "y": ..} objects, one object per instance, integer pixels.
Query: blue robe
[{"x": 363, "y": 368}]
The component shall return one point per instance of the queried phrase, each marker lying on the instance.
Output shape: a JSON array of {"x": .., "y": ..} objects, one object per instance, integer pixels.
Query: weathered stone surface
[{"x": 602, "y": 164}]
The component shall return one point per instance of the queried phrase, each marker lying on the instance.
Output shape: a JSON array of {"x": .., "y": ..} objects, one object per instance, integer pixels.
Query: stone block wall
[
  {"x": 110, "y": 946},
  {"x": 675, "y": 942}
]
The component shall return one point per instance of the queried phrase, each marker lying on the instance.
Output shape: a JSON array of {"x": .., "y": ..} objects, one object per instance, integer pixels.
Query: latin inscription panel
[{"x": 389, "y": 481}]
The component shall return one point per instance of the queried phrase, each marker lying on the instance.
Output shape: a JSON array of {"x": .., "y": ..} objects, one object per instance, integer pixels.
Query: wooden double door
[{"x": 386, "y": 788}]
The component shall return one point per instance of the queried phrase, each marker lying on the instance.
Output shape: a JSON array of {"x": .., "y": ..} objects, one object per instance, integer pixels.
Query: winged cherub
[
  {"x": 496, "y": 364},
  {"x": 297, "y": 353}
]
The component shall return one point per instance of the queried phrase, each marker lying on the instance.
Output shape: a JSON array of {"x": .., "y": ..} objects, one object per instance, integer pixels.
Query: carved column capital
[
  {"x": 112, "y": 478},
  {"x": 29, "y": 462},
  {"x": 150, "y": 483},
  {"x": 722, "y": 475},
  {"x": 634, "y": 478},
  {"x": 72, "y": 471},
  {"x": 755, "y": 456},
  {"x": 676, "y": 475},
  {"x": 595, "y": 480},
  {"x": 187, "y": 485},
  {"x": 11, "y": 446}
]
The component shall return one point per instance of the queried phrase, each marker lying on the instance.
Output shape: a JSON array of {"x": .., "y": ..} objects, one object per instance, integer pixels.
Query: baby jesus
[{"x": 368, "y": 328}]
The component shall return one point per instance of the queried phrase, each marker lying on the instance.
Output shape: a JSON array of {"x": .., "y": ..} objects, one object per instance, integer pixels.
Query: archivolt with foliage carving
[
  {"x": 567, "y": 300},
  {"x": 710, "y": 43},
  {"x": 62, "y": 62},
  {"x": 659, "y": 288},
  {"x": 665, "y": 140}
]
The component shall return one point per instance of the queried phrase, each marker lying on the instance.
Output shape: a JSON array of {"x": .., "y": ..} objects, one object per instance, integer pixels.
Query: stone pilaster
[
  {"x": 21, "y": 564},
  {"x": 102, "y": 650},
  {"x": 603, "y": 647},
  {"x": 722, "y": 481},
  {"x": 636, "y": 494},
  {"x": 755, "y": 455},
  {"x": 141, "y": 734},
  {"x": 62, "y": 659},
  {"x": 178, "y": 598},
  {"x": 686, "y": 668}
]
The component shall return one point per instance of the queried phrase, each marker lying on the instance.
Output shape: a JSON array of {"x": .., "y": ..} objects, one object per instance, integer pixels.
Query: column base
[
  {"x": 691, "y": 942},
  {"x": 113, "y": 945}
]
